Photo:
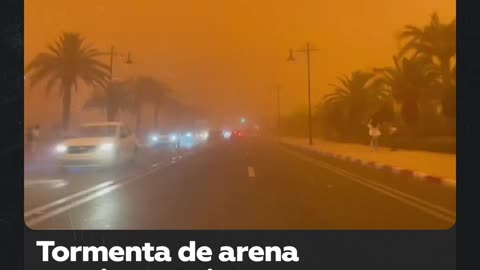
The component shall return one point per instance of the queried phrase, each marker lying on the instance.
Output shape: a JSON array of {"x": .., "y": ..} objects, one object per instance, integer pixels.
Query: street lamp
[
  {"x": 129, "y": 59},
  {"x": 290, "y": 59},
  {"x": 112, "y": 54}
]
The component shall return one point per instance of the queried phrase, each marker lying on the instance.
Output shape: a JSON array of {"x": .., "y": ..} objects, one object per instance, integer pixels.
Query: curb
[{"x": 384, "y": 167}]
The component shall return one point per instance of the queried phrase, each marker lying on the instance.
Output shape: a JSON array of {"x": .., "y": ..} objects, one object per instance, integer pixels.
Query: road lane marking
[
  {"x": 374, "y": 184},
  {"x": 427, "y": 207},
  {"x": 103, "y": 189},
  {"x": 349, "y": 175},
  {"x": 251, "y": 171},
  {"x": 54, "y": 183},
  {"x": 47, "y": 206},
  {"x": 92, "y": 193},
  {"x": 31, "y": 182},
  {"x": 59, "y": 210}
]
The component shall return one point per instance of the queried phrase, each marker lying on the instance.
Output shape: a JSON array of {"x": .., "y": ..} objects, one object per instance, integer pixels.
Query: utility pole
[{"x": 308, "y": 50}]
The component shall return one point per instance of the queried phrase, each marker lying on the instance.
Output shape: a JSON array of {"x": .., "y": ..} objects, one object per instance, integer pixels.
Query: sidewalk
[{"x": 437, "y": 167}]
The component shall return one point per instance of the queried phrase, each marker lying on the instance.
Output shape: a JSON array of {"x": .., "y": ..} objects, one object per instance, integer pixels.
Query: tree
[
  {"x": 147, "y": 91},
  {"x": 438, "y": 41},
  {"x": 356, "y": 96},
  {"x": 449, "y": 101},
  {"x": 65, "y": 62},
  {"x": 411, "y": 80},
  {"x": 115, "y": 97},
  {"x": 161, "y": 98}
]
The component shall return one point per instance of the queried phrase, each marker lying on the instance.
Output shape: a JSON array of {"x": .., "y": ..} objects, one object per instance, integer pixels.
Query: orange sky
[{"x": 229, "y": 55}]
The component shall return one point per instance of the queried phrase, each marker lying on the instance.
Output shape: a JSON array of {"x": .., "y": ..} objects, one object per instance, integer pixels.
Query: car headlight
[
  {"x": 106, "y": 147},
  {"x": 60, "y": 148},
  {"x": 173, "y": 138},
  {"x": 204, "y": 135},
  {"x": 227, "y": 134},
  {"x": 154, "y": 138}
]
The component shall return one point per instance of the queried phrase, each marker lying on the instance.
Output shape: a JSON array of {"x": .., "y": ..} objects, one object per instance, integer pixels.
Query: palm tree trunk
[
  {"x": 445, "y": 70},
  {"x": 66, "y": 104},
  {"x": 410, "y": 113},
  {"x": 449, "y": 95}
]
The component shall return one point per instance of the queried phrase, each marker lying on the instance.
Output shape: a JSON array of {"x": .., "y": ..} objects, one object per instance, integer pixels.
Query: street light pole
[
  {"x": 112, "y": 54},
  {"x": 310, "y": 140},
  {"x": 291, "y": 58}
]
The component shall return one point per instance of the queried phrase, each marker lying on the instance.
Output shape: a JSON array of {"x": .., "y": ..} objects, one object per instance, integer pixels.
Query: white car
[{"x": 98, "y": 144}]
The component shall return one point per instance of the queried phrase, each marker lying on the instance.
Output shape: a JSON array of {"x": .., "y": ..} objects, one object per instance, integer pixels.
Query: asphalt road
[{"x": 252, "y": 183}]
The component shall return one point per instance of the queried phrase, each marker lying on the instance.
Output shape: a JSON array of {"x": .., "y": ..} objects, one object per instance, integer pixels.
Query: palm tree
[
  {"x": 115, "y": 97},
  {"x": 437, "y": 41},
  {"x": 65, "y": 62},
  {"x": 411, "y": 80},
  {"x": 147, "y": 91},
  {"x": 184, "y": 114},
  {"x": 356, "y": 96},
  {"x": 161, "y": 99},
  {"x": 449, "y": 101}
]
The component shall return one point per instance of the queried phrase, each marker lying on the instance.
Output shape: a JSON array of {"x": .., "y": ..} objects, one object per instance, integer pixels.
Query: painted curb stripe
[{"x": 395, "y": 170}]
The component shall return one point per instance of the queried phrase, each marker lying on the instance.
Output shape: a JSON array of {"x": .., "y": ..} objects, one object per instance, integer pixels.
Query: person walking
[{"x": 374, "y": 132}]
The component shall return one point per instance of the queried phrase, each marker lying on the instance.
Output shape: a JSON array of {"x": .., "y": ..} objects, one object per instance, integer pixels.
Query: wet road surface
[{"x": 251, "y": 183}]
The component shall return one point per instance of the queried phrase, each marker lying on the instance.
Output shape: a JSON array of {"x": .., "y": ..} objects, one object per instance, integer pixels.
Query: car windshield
[{"x": 97, "y": 131}]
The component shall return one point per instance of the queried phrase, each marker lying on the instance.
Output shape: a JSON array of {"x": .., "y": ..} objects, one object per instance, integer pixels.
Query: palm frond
[{"x": 410, "y": 31}]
